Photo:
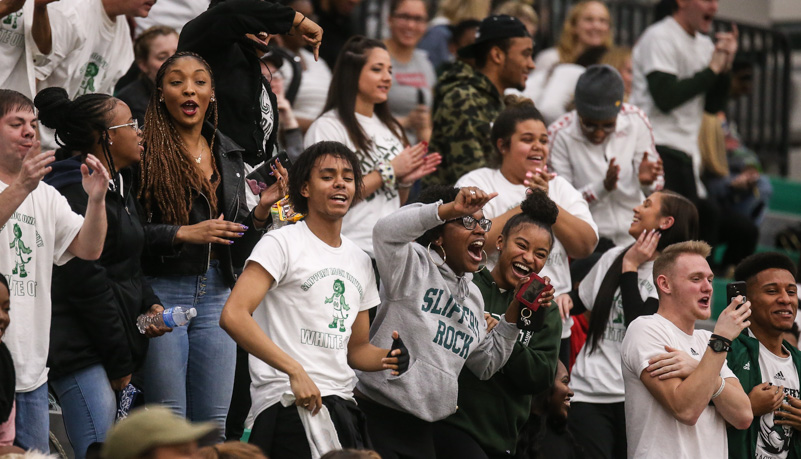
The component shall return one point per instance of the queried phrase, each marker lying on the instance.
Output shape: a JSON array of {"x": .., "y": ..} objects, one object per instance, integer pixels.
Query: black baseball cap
[{"x": 495, "y": 27}]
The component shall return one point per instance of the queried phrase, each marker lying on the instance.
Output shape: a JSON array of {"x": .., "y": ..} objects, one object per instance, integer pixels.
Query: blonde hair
[
  {"x": 459, "y": 10},
  {"x": 665, "y": 261},
  {"x": 519, "y": 10},
  {"x": 568, "y": 46},
  {"x": 617, "y": 56}
]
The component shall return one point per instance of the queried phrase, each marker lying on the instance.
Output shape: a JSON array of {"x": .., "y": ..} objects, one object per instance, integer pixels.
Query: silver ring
[{"x": 473, "y": 192}]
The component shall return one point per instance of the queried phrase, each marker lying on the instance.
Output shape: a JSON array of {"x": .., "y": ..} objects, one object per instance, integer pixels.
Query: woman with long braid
[
  {"x": 94, "y": 343},
  {"x": 199, "y": 232}
]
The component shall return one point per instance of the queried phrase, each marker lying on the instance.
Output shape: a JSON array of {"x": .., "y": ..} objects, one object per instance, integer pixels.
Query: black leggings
[
  {"x": 599, "y": 428},
  {"x": 397, "y": 435}
]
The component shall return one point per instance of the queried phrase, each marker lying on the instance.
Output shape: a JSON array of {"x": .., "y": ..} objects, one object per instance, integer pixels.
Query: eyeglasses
[
  {"x": 470, "y": 223},
  {"x": 134, "y": 124},
  {"x": 607, "y": 128},
  {"x": 419, "y": 20}
]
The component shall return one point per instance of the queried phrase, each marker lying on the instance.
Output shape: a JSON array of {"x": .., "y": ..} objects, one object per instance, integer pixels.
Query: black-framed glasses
[
  {"x": 419, "y": 20},
  {"x": 470, "y": 223},
  {"x": 591, "y": 126},
  {"x": 134, "y": 124}
]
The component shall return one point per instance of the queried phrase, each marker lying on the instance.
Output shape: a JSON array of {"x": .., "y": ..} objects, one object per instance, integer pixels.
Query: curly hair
[
  {"x": 537, "y": 209},
  {"x": 168, "y": 174}
]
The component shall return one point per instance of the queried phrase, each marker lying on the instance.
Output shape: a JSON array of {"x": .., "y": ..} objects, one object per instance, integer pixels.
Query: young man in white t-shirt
[
  {"x": 38, "y": 229},
  {"x": 300, "y": 308},
  {"x": 683, "y": 416},
  {"x": 768, "y": 367},
  {"x": 92, "y": 48}
]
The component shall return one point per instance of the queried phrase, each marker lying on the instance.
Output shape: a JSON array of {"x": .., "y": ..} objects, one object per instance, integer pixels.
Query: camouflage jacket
[{"x": 466, "y": 104}]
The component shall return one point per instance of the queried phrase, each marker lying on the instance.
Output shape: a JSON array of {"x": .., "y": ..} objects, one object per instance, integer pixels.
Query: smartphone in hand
[{"x": 734, "y": 289}]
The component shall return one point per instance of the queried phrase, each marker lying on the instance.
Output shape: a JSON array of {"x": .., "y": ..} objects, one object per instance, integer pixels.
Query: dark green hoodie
[
  {"x": 466, "y": 104},
  {"x": 493, "y": 411},
  {"x": 743, "y": 360}
]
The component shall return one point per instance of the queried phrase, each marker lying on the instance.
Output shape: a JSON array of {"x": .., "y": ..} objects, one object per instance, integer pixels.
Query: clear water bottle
[{"x": 173, "y": 317}]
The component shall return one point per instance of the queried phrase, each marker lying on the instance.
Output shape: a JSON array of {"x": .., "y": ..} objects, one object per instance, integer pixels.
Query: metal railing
[{"x": 762, "y": 118}]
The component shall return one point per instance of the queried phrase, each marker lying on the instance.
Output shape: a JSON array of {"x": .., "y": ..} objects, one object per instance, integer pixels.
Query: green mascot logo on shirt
[
  {"x": 340, "y": 306},
  {"x": 20, "y": 250}
]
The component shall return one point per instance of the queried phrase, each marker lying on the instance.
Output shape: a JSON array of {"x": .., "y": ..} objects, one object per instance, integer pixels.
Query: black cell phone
[
  {"x": 421, "y": 97},
  {"x": 262, "y": 174},
  {"x": 734, "y": 289}
]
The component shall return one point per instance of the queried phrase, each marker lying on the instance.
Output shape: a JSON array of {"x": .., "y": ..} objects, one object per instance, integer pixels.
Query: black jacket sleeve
[
  {"x": 217, "y": 28},
  {"x": 90, "y": 296},
  {"x": 668, "y": 91},
  {"x": 633, "y": 305}
]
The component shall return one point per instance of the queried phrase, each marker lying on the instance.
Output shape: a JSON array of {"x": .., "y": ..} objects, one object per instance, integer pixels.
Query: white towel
[{"x": 320, "y": 431}]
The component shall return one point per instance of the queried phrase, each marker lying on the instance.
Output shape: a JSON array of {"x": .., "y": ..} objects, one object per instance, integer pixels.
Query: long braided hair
[
  {"x": 168, "y": 173},
  {"x": 79, "y": 124}
]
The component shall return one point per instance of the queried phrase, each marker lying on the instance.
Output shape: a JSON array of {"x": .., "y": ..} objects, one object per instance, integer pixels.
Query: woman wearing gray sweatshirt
[{"x": 426, "y": 253}]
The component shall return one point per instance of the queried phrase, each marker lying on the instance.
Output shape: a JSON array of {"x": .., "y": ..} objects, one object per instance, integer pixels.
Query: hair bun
[
  {"x": 513, "y": 100},
  {"x": 538, "y": 206},
  {"x": 54, "y": 106}
]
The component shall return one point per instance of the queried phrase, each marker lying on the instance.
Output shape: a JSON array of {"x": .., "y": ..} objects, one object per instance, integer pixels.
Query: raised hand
[
  {"x": 312, "y": 33},
  {"x": 470, "y": 200},
  {"x": 35, "y": 165},
  {"x": 408, "y": 160},
  {"x": 642, "y": 250},
  {"x": 612, "y": 174},
  {"x": 277, "y": 190},
  {"x": 95, "y": 183},
  {"x": 539, "y": 179},
  {"x": 733, "y": 319},
  {"x": 429, "y": 165},
  {"x": 649, "y": 170}
]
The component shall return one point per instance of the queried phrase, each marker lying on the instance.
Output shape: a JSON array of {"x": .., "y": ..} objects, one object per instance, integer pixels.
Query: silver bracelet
[{"x": 720, "y": 389}]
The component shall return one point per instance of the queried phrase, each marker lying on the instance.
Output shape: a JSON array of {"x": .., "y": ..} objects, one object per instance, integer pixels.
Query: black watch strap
[{"x": 719, "y": 343}]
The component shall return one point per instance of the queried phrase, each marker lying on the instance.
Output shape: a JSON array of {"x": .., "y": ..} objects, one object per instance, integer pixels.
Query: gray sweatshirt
[{"x": 439, "y": 316}]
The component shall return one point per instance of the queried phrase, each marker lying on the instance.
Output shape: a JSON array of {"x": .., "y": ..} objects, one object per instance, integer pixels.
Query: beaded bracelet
[{"x": 387, "y": 174}]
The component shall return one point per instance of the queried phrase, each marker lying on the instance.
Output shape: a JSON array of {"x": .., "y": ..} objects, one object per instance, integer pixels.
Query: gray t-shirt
[{"x": 406, "y": 79}]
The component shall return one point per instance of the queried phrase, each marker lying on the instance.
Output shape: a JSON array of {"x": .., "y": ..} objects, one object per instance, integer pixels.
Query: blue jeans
[
  {"x": 191, "y": 369},
  {"x": 88, "y": 404},
  {"x": 33, "y": 420}
]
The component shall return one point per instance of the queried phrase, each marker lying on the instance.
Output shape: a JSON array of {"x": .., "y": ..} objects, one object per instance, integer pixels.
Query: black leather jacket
[{"x": 164, "y": 258}]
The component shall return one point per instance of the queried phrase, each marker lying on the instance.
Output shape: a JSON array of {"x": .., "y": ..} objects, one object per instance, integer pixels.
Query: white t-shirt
[
  {"x": 267, "y": 117},
  {"x": 652, "y": 432},
  {"x": 172, "y": 13},
  {"x": 773, "y": 441},
  {"x": 544, "y": 64},
  {"x": 584, "y": 165},
  {"x": 18, "y": 50},
  {"x": 362, "y": 217},
  {"x": 313, "y": 89},
  {"x": 597, "y": 377},
  {"x": 559, "y": 91},
  {"x": 35, "y": 237},
  {"x": 667, "y": 47},
  {"x": 510, "y": 196},
  {"x": 309, "y": 310},
  {"x": 103, "y": 57}
]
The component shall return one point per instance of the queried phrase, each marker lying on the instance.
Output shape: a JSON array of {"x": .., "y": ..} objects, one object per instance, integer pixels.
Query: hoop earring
[
  {"x": 444, "y": 256},
  {"x": 484, "y": 257}
]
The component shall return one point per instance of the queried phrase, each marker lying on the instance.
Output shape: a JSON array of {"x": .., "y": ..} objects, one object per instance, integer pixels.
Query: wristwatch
[{"x": 719, "y": 343}]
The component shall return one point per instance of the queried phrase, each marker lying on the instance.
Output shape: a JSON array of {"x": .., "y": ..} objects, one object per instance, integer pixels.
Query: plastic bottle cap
[{"x": 191, "y": 313}]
